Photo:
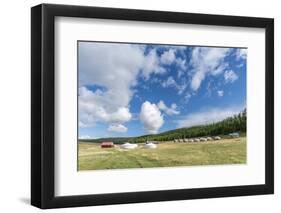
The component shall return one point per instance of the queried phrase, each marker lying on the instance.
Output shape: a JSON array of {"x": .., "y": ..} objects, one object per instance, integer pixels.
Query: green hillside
[{"x": 236, "y": 123}]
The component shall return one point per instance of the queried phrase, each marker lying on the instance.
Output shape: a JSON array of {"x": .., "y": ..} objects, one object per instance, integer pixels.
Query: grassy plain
[{"x": 169, "y": 154}]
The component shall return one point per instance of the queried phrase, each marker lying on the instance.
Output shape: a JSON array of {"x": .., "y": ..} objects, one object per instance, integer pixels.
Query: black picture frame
[{"x": 43, "y": 102}]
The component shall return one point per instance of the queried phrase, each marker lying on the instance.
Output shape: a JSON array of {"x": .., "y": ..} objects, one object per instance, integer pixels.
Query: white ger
[
  {"x": 217, "y": 138},
  {"x": 129, "y": 146},
  {"x": 150, "y": 146}
]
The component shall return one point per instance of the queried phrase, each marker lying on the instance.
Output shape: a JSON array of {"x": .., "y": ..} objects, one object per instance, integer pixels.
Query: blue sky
[{"x": 136, "y": 89}]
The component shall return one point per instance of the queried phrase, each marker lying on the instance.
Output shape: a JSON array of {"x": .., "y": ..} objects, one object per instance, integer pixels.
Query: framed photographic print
[{"x": 139, "y": 106}]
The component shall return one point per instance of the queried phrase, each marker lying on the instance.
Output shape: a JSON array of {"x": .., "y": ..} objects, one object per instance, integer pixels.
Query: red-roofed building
[{"x": 107, "y": 145}]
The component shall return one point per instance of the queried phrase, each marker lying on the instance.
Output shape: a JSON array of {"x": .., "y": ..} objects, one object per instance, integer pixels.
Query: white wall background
[{"x": 15, "y": 105}]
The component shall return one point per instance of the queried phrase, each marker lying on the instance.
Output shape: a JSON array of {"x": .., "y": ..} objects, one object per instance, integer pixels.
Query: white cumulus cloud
[
  {"x": 151, "y": 64},
  {"x": 168, "y": 110},
  {"x": 117, "y": 128},
  {"x": 114, "y": 69},
  {"x": 168, "y": 57},
  {"x": 98, "y": 106},
  {"x": 151, "y": 117},
  {"x": 230, "y": 76},
  {"x": 207, "y": 61},
  {"x": 170, "y": 82},
  {"x": 241, "y": 54},
  {"x": 220, "y": 93},
  {"x": 208, "y": 116}
]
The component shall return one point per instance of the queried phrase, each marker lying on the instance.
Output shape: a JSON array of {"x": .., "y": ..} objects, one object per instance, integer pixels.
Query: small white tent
[
  {"x": 128, "y": 146},
  {"x": 150, "y": 146}
]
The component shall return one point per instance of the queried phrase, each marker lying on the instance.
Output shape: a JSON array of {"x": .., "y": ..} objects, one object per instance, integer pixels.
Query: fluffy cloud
[
  {"x": 106, "y": 66},
  {"x": 151, "y": 64},
  {"x": 207, "y": 61},
  {"x": 181, "y": 63},
  {"x": 168, "y": 110},
  {"x": 230, "y": 76},
  {"x": 241, "y": 54},
  {"x": 117, "y": 128},
  {"x": 98, "y": 107},
  {"x": 151, "y": 117},
  {"x": 168, "y": 57},
  {"x": 220, "y": 93},
  {"x": 103, "y": 63},
  {"x": 101, "y": 66},
  {"x": 170, "y": 82},
  {"x": 208, "y": 116}
]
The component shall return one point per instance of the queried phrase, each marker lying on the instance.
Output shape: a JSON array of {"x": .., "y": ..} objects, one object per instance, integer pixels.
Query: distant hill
[{"x": 236, "y": 123}]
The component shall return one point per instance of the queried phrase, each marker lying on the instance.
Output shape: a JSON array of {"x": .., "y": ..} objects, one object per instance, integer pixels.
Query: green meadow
[{"x": 167, "y": 154}]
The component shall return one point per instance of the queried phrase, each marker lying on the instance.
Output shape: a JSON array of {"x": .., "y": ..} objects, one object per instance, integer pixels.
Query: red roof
[{"x": 107, "y": 144}]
